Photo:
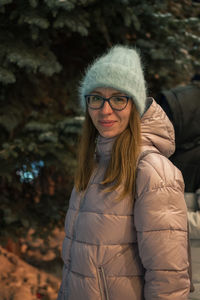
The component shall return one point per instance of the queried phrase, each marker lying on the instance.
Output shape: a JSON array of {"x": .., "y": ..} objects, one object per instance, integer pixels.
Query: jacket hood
[{"x": 157, "y": 130}]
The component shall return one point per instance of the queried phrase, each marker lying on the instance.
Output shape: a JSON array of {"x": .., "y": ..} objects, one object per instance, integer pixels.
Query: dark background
[{"x": 44, "y": 48}]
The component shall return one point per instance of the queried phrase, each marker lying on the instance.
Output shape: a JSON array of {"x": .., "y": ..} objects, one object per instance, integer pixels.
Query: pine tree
[{"x": 44, "y": 48}]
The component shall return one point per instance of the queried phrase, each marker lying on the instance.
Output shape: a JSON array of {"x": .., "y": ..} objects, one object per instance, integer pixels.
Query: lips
[{"x": 107, "y": 123}]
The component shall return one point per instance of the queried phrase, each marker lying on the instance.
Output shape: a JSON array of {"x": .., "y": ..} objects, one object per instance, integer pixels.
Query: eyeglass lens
[{"x": 116, "y": 102}]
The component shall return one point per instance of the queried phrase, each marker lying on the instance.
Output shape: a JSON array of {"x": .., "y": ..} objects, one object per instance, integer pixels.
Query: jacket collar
[{"x": 104, "y": 147}]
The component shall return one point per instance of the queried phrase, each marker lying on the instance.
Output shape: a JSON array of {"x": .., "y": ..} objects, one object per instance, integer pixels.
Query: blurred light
[{"x": 28, "y": 174}]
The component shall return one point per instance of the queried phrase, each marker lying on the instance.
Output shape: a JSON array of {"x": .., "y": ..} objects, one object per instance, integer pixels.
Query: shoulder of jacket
[{"x": 156, "y": 171}]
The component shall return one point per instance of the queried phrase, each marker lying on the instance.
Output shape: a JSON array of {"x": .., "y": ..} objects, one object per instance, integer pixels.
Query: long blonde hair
[{"x": 122, "y": 165}]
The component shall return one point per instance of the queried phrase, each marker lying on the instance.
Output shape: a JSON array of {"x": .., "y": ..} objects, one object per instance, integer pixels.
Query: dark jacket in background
[{"x": 182, "y": 105}]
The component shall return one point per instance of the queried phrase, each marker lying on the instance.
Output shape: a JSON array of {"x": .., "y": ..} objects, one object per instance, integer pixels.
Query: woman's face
[{"x": 107, "y": 121}]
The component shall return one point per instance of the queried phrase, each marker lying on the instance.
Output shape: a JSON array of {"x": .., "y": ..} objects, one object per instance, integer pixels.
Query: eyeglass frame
[{"x": 108, "y": 100}]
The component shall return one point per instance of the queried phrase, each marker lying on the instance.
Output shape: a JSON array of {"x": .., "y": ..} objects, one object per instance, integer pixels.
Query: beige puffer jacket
[{"x": 120, "y": 251}]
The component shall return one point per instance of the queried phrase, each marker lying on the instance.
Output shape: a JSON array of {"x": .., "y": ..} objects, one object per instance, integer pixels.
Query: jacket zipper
[{"x": 102, "y": 283}]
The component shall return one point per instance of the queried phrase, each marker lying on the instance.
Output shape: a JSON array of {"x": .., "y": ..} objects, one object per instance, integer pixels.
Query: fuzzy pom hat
[{"x": 120, "y": 68}]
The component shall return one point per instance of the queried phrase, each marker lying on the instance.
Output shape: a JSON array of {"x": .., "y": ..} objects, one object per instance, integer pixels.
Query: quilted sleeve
[{"x": 161, "y": 224}]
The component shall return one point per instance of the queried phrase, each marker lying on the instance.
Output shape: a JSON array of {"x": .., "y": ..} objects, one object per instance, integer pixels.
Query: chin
[{"x": 108, "y": 134}]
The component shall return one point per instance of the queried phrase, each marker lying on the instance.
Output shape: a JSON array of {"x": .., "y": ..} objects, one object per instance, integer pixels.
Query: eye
[
  {"x": 95, "y": 98},
  {"x": 119, "y": 99}
]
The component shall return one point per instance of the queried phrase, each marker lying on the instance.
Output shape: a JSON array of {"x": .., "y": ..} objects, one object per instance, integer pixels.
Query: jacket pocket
[{"x": 102, "y": 283}]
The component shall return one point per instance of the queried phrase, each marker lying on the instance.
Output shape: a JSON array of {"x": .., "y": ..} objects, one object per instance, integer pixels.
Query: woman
[{"x": 126, "y": 226}]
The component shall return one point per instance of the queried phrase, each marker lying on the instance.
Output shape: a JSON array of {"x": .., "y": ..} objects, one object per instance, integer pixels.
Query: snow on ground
[{"x": 36, "y": 274}]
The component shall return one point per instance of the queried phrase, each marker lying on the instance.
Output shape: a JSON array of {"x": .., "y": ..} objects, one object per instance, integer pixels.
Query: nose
[{"x": 106, "y": 109}]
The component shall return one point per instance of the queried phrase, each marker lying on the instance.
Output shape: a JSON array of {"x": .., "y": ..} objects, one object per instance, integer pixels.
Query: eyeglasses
[{"x": 115, "y": 102}]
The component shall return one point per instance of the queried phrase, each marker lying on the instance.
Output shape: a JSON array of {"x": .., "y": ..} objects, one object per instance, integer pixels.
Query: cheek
[{"x": 126, "y": 119}]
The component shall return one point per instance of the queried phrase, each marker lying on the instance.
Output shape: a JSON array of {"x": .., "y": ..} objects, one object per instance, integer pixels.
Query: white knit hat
[{"x": 120, "y": 68}]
